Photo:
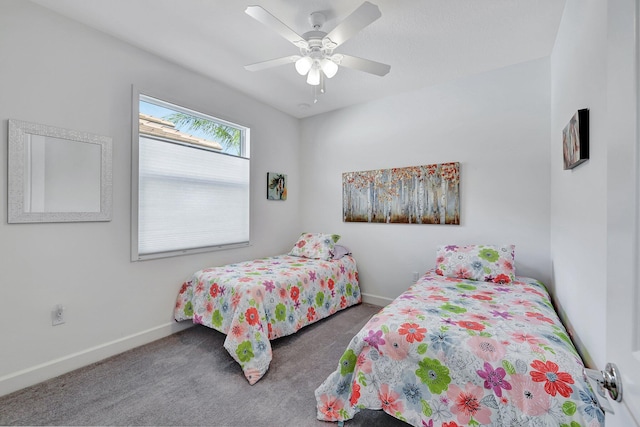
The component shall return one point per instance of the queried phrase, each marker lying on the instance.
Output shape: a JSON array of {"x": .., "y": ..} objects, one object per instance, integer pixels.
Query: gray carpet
[{"x": 189, "y": 379}]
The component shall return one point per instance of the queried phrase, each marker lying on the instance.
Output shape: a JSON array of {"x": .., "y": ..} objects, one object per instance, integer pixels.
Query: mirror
[{"x": 57, "y": 175}]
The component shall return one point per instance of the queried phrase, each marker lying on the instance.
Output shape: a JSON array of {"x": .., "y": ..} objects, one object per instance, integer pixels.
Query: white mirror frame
[{"x": 19, "y": 132}]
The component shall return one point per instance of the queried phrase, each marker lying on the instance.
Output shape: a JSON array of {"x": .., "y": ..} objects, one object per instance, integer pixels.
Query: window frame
[{"x": 137, "y": 96}]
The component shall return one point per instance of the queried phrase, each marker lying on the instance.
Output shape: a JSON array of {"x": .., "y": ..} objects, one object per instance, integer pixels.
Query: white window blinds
[{"x": 190, "y": 198}]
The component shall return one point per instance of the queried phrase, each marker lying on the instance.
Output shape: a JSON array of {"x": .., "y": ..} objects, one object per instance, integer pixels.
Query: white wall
[
  {"x": 60, "y": 73},
  {"x": 495, "y": 124},
  {"x": 579, "y": 196},
  {"x": 594, "y": 207}
]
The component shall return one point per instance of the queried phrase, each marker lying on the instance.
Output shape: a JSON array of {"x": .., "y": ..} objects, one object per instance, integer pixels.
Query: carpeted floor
[{"x": 189, "y": 379}]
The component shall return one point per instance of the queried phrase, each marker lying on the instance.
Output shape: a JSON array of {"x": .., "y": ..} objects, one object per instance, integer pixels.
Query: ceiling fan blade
[
  {"x": 365, "y": 65},
  {"x": 360, "y": 18},
  {"x": 264, "y": 17},
  {"x": 272, "y": 63}
]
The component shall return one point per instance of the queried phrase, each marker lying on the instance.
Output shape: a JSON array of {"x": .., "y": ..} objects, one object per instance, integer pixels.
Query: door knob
[{"x": 608, "y": 379}]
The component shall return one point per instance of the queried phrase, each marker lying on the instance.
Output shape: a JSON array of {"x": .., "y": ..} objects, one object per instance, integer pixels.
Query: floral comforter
[
  {"x": 451, "y": 352},
  {"x": 255, "y": 301}
]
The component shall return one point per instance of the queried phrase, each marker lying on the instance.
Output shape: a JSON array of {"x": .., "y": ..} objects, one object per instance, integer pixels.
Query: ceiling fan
[{"x": 316, "y": 58}]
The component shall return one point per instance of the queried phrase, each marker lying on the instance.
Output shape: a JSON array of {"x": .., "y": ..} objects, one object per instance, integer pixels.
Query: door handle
[{"x": 608, "y": 379}]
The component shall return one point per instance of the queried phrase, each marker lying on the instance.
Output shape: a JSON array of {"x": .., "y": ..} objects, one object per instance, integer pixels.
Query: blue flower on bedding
[
  {"x": 433, "y": 310},
  {"x": 442, "y": 341},
  {"x": 554, "y": 339},
  {"x": 476, "y": 265},
  {"x": 344, "y": 386},
  {"x": 260, "y": 347},
  {"x": 308, "y": 300},
  {"x": 591, "y": 407},
  {"x": 413, "y": 390}
]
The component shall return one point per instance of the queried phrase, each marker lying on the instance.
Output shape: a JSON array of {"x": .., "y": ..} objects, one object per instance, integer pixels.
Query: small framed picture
[
  {"x": 276, "y": 186},
  {"x": 575, "y": 140}
]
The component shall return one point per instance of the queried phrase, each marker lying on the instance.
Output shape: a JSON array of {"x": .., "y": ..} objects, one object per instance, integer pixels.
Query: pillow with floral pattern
[
  {"x": 488, "y": 263},
  {"x": 315, "y": 245}
]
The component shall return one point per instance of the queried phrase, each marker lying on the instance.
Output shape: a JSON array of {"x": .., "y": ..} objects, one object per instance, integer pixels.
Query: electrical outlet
[
  {"x": 416, "y": 276},
  {"x": 57, "y": 315}
]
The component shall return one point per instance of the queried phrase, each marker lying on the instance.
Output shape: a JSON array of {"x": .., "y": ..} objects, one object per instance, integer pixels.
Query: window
[{"x": 190, "y": 181}]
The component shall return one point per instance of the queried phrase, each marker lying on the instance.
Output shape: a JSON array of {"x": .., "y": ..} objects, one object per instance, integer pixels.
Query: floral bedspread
[
  {"x": 451, "y": 352},
  {"x": 255, "y": 301}
]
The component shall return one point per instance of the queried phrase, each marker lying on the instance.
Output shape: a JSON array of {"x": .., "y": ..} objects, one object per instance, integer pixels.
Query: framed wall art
[
  {"x": 575, "y": 140},
  {"x": 426, "y": 194},
  {"x": 276, "y": 186}
]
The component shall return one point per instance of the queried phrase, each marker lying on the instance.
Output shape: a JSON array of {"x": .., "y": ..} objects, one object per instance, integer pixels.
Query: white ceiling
[{"x": 426, "y": 42}]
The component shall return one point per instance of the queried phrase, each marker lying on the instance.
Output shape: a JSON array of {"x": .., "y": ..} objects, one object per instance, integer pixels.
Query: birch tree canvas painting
[{"x": 426, "y": 194}]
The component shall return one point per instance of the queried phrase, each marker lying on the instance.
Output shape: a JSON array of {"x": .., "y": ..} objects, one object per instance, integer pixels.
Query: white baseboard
[
  {"x": 376, "y": 300},
  {"x": 51, "y": 369}
]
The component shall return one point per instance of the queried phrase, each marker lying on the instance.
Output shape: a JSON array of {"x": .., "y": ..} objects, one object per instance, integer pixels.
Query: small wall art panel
[
  {"x": 426, "y": 194},
  {"x": 276, "y": 186},
  {"x": 575, "y": 140}
]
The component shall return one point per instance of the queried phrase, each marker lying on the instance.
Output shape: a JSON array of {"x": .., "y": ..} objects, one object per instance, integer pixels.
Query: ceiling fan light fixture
[
  {"x": 303, "y": 65},
  {"x": 329, "y": 68},
  {"x": 313, "y": 78}
]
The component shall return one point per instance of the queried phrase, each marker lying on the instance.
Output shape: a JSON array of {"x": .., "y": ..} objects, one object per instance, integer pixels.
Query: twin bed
[
  {"x": 469, "y": 344},
  {"x": 256, "y": 301}
]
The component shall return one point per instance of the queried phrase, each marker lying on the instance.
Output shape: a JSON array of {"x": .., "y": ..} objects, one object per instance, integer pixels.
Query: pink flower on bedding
[
  {"x": 389, "y": 400},
  {"x": 466, "y": 404},
  {"x": 238, "y": 330},
  {"x": 235, "y": 300},
  {"x": 395, "y": 346},
  {"x": 528, "y": 396},
  {"x": 363, "y": 363},
  {"x": 486, "y": 348},
  {"x": 409, "y": 311},
  {"x": 535, "y": 291},
  {"x": 539, "y": 316},
  {"x": 505, "y": 264},
  {"x": 301, "y": 243},
  {"x": 199, "y": 287},
  {"x": 462, "y": 273},
  {"x": 524, "y": 337},
  {"x": 330, "y": 406}
]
